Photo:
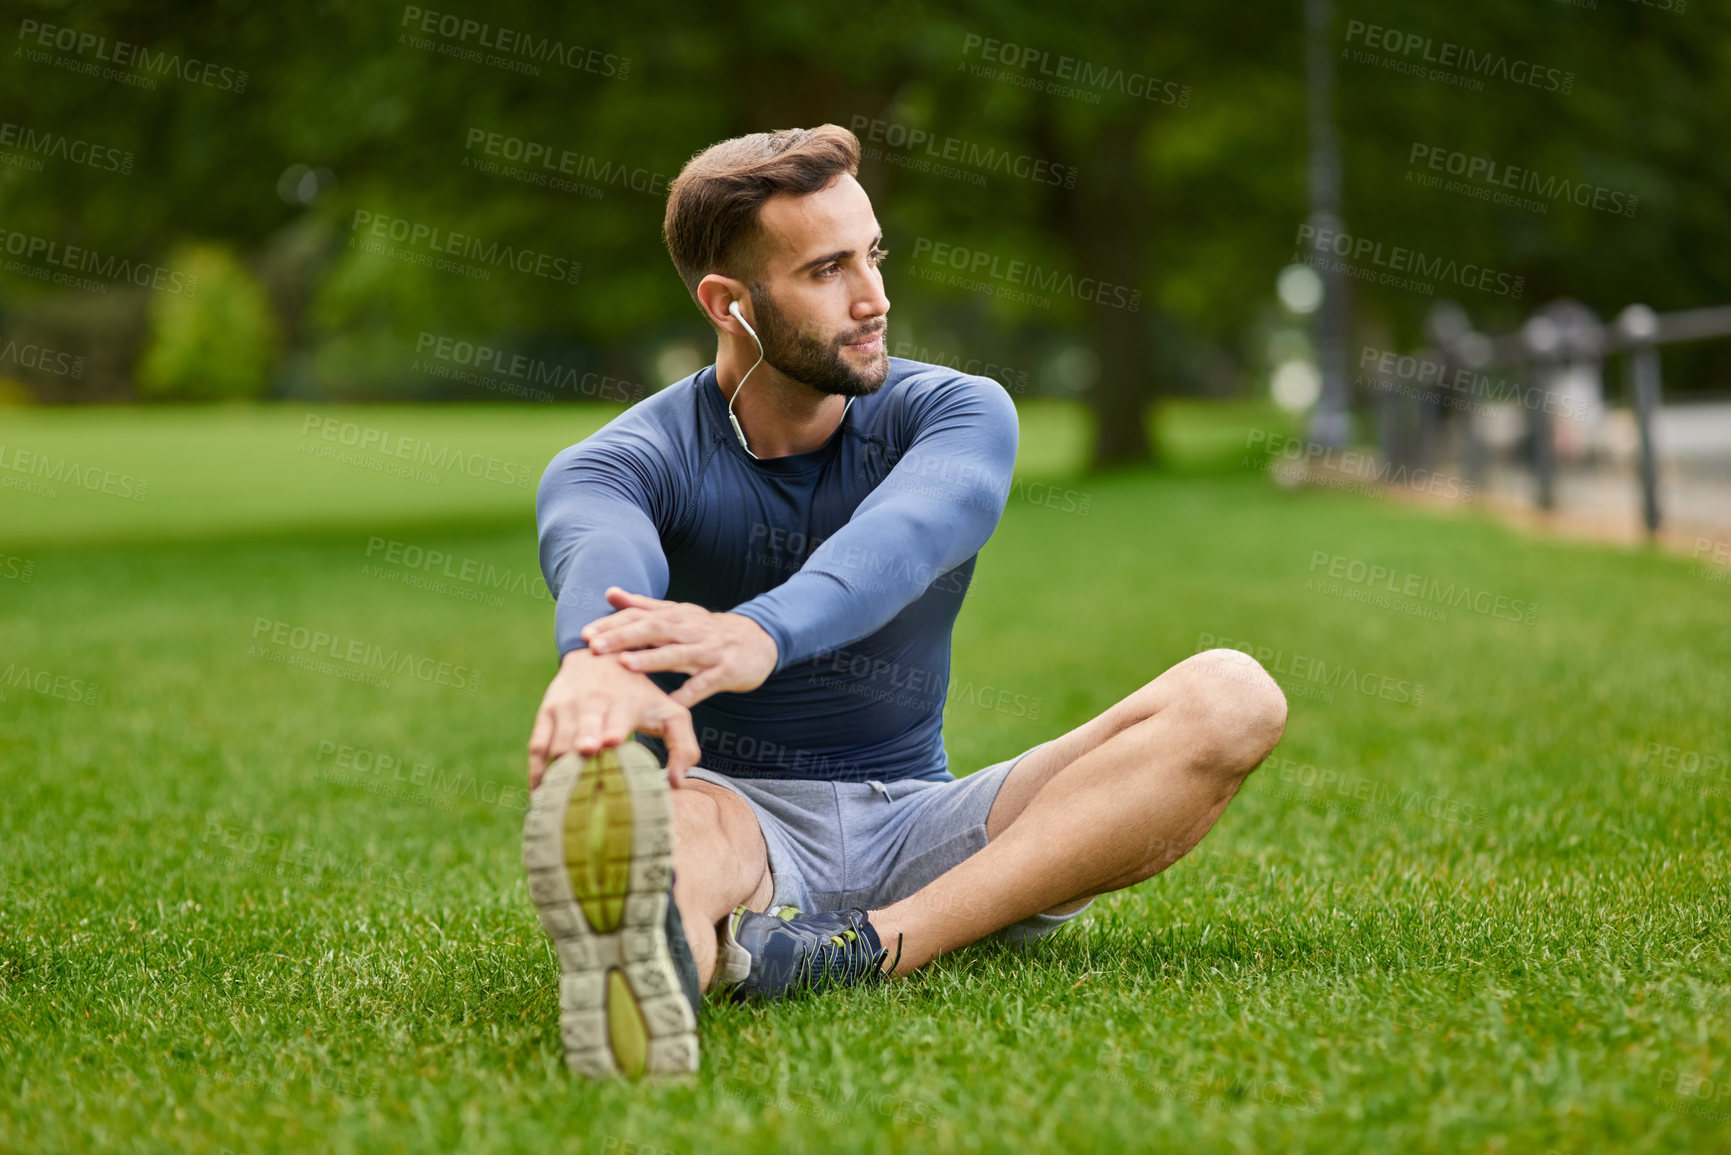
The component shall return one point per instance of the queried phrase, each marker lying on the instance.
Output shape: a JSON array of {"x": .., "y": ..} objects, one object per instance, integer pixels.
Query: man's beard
[{"x": 814, "y": 362}]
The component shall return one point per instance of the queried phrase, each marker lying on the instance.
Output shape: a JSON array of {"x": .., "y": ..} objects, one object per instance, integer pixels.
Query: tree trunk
[{"x": 1108, "y": 230}]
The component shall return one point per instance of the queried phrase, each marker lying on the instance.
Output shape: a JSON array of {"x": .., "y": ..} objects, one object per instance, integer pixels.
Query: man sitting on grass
[{"x": 761, "y": 565}]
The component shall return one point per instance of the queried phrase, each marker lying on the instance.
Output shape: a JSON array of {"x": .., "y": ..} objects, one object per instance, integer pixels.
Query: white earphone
[{"x": 733, "y": 307}]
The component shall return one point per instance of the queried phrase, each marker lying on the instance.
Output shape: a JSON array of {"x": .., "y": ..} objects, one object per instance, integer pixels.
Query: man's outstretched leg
[
  {"x": 629, "y": 884},
  {"x": 720, "y": 863},
  {"x": 1109, "y": 804}
]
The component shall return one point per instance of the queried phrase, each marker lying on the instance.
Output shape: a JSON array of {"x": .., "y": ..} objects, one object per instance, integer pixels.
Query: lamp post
[
  {"x": 1638, "y": 325},
  {"x": 1330, "y": 420}
]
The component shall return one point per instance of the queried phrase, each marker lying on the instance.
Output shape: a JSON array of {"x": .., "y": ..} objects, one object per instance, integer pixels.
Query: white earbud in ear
[{"x": 733, "y": 307}]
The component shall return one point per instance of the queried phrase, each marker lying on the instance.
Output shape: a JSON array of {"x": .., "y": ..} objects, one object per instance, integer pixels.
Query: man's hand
[
  {"x": 723, "y": 653},
  {"x": 593, "y": 702}
]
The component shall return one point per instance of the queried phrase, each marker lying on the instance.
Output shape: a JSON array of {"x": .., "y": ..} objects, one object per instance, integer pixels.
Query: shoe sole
[{"x": 598, "y": 846}]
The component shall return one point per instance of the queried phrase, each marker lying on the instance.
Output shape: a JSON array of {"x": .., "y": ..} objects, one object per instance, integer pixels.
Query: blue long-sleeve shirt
[{"x": 853, "y": 557}]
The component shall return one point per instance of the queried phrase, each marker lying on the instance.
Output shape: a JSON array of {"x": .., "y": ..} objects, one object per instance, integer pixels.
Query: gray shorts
[{"x": 834, "y": 845}]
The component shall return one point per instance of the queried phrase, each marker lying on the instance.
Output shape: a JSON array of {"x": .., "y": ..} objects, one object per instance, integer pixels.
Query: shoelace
[{"x": 843, "y": 958}]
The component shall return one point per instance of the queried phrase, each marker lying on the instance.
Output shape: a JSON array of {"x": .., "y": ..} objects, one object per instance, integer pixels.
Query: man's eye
[{"x": 878, "y": 256}]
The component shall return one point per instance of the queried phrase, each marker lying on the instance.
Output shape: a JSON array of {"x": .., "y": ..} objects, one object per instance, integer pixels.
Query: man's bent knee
[
  {"x": 1240, "y": 706},
  {"x": 716, "y": 841}
]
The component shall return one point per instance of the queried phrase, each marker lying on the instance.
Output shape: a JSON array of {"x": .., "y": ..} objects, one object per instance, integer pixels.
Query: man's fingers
[
  {"x": 654, "y": 629},
  {"x": 540, "y": 740},
  {"x": 681, "y": 740},
  {"x": 699, "y": 686},
  {"x": 615, "y": 726},
  {"x": 601, "y": 627},
  {"x": 685, "y": 659},
  {"x": 587, "y": 715},
  {"x": 618, "y": 599},
  {"x": 561, "y": 735}
]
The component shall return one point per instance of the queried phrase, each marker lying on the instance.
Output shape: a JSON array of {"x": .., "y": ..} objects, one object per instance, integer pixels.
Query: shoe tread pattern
[{"x": 598, "y": 848}]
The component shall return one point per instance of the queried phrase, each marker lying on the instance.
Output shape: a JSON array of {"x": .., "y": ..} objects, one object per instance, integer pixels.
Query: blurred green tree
[
  {"x": 1182, "y": 123},
  {"x": 218, "y": 343}
]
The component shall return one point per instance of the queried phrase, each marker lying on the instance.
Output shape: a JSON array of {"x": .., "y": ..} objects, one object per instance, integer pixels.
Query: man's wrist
[
  {"x": 583, "y": 655},
  {"x": 763, "y": 630}
]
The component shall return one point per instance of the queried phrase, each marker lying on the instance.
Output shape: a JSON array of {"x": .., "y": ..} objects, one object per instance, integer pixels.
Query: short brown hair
[{"x": 713, "y": 205}]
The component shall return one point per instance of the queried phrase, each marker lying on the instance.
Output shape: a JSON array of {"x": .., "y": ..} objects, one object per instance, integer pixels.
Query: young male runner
[{"x": 761, "y": 565}]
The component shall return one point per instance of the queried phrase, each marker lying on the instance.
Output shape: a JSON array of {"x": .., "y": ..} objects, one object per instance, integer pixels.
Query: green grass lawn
[{"x": 1477, "y": 900}]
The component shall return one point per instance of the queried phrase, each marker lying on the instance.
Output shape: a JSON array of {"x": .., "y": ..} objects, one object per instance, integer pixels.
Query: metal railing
[{"x": 1563, "y": 338}]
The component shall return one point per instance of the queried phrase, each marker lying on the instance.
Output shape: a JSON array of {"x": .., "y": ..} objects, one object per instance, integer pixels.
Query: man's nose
[{"x": 874, "y": 304}]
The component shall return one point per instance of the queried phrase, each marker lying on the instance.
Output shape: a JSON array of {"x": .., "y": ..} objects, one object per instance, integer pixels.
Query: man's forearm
[
  {"x": 933, "y": 511},
  {"x": 722, "y": 653}
]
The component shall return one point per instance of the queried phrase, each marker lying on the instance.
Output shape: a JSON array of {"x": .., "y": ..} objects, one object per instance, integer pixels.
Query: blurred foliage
[
  {"x": 1194, "y": 202},
  {"x": 218, "y": 344}
]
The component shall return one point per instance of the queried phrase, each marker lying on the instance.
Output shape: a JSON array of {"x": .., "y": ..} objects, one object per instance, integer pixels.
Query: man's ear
[{"x": 715, "y": 293}]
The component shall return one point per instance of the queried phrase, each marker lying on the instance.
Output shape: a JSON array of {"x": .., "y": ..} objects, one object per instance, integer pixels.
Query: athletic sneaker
[
  {"x": 598, "y": 846},
  {"x": 784, "y": 952}
]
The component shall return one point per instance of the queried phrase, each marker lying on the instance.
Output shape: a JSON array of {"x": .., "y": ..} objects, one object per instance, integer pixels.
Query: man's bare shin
[{"x": 719, "y": 862}]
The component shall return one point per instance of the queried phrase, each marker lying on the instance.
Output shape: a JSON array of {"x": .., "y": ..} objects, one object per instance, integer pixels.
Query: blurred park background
[
  {"x": 394, "y": 203},
  {"x": 295, "y": 305}
]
